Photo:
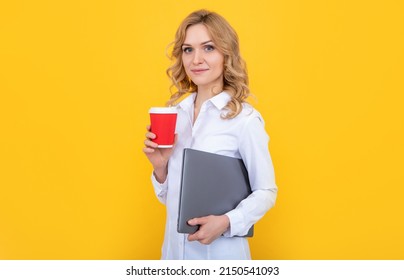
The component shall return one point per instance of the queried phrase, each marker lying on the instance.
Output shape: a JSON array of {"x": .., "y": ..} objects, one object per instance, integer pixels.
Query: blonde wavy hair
[{"x": 235, "y": 77}]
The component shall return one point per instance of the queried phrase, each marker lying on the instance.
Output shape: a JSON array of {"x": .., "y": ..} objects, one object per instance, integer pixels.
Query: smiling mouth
[{"x": 197, "y": 71}]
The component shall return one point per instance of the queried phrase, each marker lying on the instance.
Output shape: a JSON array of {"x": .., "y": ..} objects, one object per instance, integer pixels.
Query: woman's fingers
[
  {"x": 150, "y": 135},
  {"x": 150, "y": 144},
  {"x": 147, "y": 150}
]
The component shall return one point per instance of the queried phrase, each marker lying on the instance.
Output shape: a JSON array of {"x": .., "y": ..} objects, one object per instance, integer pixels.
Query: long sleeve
[
  {"x": 253, "y": 148},
  {"x": 160, "y": 189}
]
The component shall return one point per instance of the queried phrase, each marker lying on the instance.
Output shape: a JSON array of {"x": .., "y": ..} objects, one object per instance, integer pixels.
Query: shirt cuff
[
  {"x": 159, "y": 188},
  {"x": 236, "y": 224}
]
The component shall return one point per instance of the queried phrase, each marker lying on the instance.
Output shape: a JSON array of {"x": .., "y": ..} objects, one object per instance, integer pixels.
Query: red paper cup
[{"x": 163, "y": 121}]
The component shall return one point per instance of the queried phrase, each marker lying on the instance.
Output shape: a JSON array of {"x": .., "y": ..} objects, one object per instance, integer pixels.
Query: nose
[{"x": 198, "y": 57}]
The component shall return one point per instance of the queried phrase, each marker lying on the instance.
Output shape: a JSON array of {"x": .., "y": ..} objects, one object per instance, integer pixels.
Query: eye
[
  {"x": 209, "y": 48},
  {"x": 187, "y": 49}
]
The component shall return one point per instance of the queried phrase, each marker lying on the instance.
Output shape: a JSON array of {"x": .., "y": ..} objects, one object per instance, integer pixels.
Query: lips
[{"x": 199, "y": 71}]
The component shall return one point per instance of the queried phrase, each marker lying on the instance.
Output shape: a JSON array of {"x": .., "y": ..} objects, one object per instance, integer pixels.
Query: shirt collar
[
  {"x": 188, "y": 102},
  {"x": 219, "y": 101}
]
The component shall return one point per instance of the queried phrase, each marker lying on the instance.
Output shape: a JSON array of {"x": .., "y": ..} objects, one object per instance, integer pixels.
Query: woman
[{"x": 213, "y": 118}]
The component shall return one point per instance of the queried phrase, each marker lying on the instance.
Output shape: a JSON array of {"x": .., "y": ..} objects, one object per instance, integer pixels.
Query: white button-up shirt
[{"x": 241, "y": 137}]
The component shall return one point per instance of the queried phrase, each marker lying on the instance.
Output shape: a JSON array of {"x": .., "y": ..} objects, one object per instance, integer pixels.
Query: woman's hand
[
  {"x": 210, "y": 228},
  {"x": 158, "y": 157}
]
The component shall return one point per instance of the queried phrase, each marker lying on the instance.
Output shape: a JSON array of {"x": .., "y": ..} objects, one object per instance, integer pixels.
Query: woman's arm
[
  {"x": 159, "y": 159},
  {"x": 253, "y": 147}
]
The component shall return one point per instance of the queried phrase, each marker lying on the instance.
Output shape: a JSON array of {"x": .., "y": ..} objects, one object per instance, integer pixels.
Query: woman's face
[{"x": 201, "y": 59}]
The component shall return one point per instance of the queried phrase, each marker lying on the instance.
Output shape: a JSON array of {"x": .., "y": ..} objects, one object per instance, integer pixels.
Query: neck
[{"x": 204, "y": 94}]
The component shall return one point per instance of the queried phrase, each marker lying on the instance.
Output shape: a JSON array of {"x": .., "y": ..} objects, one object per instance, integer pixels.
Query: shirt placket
[
  {"x": 194, "y": 133},
  {"x": 198, "y": 122}
]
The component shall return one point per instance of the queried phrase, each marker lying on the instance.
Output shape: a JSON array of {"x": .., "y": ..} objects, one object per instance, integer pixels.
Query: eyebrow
[{"x": 203, "y": 43}]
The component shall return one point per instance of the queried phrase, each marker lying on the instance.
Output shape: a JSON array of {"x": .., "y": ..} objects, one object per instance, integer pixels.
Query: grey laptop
[{"x": 211, "y": 184}]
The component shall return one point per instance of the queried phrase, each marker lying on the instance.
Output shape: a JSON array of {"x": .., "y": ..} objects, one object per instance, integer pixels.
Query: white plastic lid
[{"x": 163, "y": 110}]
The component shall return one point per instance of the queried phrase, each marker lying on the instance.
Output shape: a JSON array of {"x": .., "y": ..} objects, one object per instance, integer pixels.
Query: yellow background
[{"x": 78, "y": 77}]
